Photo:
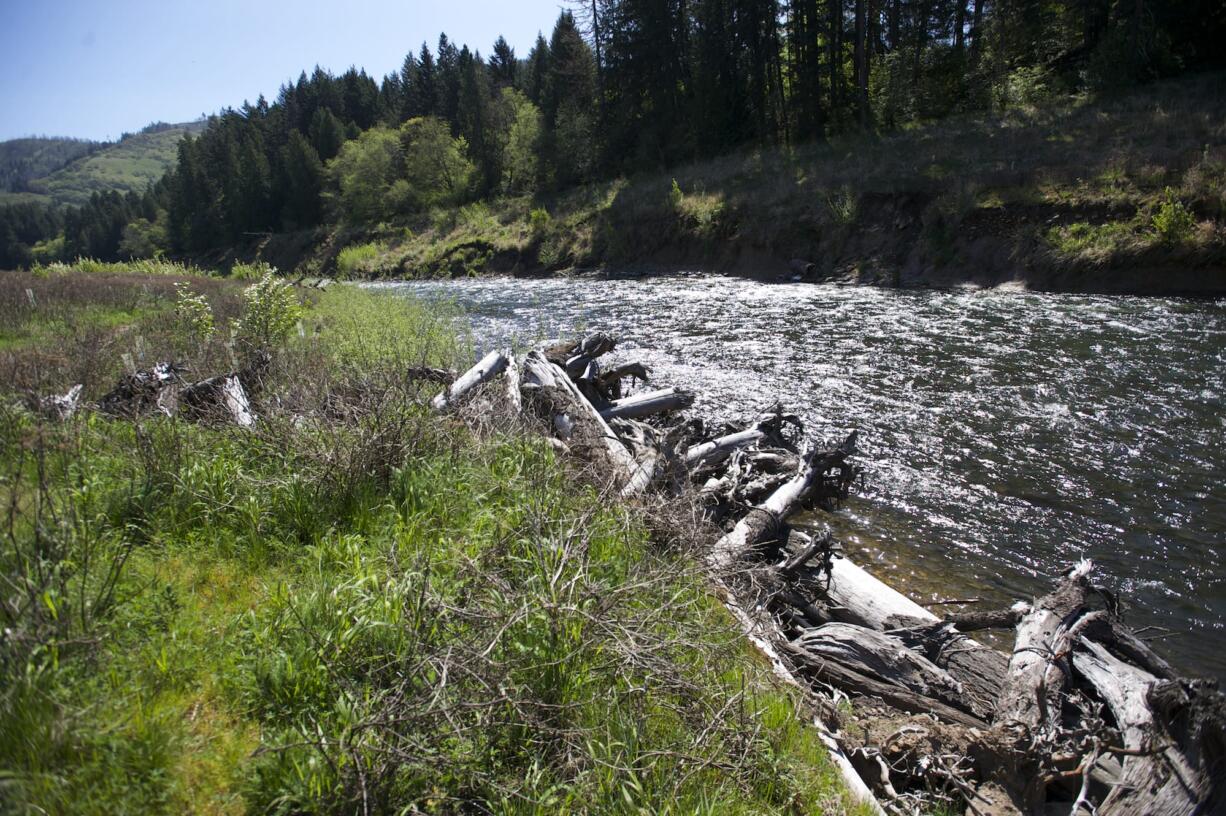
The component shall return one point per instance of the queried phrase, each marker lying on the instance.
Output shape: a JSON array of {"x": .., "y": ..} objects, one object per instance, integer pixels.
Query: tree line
[{"x": 621, "y": 86}]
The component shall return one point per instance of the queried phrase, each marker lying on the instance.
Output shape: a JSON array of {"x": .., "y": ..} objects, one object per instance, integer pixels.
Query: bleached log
[
  {"x": 855, "y": 682},
  {"x": 62, "y": 406},
  {"x": 652, "y": 402},
  {"x": 512, "y": 375},
  {"x": 222, "y": 395},
  {"x": 762, "y": 523},
  {"x": 489, "y": 366},
  {"x": 857, "y": 597},
  {"x": 883, "y": 657},
  {"x": 561, "y": 397},
  {"x": 717, "y": 450},
  {"x": 1038, "y": 671},
  {"x": 139, "y": 392},
  {"x": 1165, "y": 773}
]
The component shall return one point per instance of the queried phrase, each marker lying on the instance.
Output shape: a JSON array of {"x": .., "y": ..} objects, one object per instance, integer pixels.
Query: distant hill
[
  {"x": 129, "y": 165},
  {"x": 22, "y": 161}
]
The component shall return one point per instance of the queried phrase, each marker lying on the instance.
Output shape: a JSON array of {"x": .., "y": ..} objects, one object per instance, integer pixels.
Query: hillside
[
  {"x": 25, "y": 160},
  {"x": 129, "y": 165},
  {"x": 1122, "y": 193}
]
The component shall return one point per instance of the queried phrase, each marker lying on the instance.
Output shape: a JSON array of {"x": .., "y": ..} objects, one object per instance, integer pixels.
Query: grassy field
[
  {"x": 129, "y": 165},
  {"x": 1067, "y": 195},
  {"x": 357, "y": 606}
]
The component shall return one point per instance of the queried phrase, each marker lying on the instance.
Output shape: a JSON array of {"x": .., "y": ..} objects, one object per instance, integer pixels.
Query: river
[{"x": 1005, "y": 434}]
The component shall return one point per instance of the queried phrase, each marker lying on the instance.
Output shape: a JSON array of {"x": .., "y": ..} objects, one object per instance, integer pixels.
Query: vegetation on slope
[
  {"x": 358, "y": 606},
  {"x": 131, "y": 165},
  {"x": 1091, "y": 193},
  {"x": 22, "y": 161}
]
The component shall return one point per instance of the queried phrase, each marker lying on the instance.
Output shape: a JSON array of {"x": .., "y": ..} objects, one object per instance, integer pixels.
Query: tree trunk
[
  {"x": 489, "y": 366},
  {"x": 652, "y": 402}
]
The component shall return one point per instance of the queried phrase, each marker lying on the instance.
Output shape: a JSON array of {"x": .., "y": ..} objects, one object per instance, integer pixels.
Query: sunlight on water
[{"x": 1006, "y": 435}]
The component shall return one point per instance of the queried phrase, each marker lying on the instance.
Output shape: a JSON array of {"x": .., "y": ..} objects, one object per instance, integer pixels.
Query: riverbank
[
  {"x": 356, "y": 603},
  {"x": 1123, "y": 194}
]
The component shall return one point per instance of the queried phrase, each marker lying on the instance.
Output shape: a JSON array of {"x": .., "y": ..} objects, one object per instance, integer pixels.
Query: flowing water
[{"x": 1005, "y": 435}]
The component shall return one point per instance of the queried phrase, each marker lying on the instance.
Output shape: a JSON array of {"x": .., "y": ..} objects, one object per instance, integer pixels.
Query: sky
[{"x": 96, "y": 69}]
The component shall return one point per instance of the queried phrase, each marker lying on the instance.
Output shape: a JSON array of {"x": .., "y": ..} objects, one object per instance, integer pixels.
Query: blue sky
[{"x": 95, "y": 69}]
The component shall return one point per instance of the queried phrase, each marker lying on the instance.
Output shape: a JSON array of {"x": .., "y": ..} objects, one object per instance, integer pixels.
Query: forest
[{"x": 619, "y": 87}]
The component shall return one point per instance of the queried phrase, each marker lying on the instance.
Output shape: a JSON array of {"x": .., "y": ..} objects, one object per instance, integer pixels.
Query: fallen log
[
  {"x": 222, "y": 395},
  {"x": 611, "y": 381},
  {"x": 143, "y": 391},
  {"x": 1173, "y": 737},
  {"x": 652, "y": 402},
  {"x": 61, "y": 406},
  {"x": 514, "y": 397},
  {"x": 717, "y": 450},
  {"x": 763, "y": 523},
  {"x": 854, "y": 682},
  {"x": 884, "y": 658},
  {"x": 488, "y": 367},
  {"x": 561, "y": 402}
]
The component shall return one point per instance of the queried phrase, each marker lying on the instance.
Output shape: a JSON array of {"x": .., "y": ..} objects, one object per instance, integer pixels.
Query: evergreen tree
[
  {"x": 327, "y": 134},
  {"x": 537, "y": 72},
  {"x": 448, "y": 87},
  {"x": 502, "y": 64},
  {"x": 303, "y": 183}
]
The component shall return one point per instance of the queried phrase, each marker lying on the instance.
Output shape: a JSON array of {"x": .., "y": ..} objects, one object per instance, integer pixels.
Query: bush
[
  {"x": 270, "y": 312},
  {"x": 360, "y": 259},
  {"x": 1173, "y": 222},
  {"x": 538, "y": 222},
  {"x": 194, "y": 313},
  {"x": 675, "y": 196}
]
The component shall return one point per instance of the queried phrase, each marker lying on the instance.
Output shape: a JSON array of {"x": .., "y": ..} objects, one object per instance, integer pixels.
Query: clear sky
[{"x": 97, "y": 68}]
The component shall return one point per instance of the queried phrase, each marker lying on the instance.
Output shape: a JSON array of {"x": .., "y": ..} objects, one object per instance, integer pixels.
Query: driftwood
[
  {"x": 143, "y": 392},
  {"x": 61, "y": 406},
  {"x": 488, "y": 367},
  {"x": 1044, "y": 726},
  {"x": 652, "y": 402},
  {"x": 218, "y": 396}
]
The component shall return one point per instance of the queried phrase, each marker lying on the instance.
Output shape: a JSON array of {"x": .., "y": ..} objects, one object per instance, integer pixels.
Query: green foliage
[
  {"x": 843, "y": 206},
  {"x": 365, "y": 171},
  {"x": 270, "y": 312},
  {"x": 520, "y": 160},
  {"x": 538, "y": 222},
  {"x": 436, "y": 166},
  {"x": 361, "y": 259},
  {"x": 675, "y": 196},
  {"x": 1173, "y": 222},
  {"x": 143, "y": 239},
  {"x": 194, "y": 313}
]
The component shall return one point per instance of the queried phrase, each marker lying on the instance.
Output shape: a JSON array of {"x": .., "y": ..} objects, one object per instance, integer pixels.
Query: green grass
[{"x": 357, "y": 605}]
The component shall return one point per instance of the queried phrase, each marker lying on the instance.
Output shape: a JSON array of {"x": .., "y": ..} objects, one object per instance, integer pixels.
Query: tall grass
[{"x": 357, "y": 607}]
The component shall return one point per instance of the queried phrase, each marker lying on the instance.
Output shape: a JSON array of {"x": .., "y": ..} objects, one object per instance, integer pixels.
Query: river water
[{"x": 1005, "y": 435}]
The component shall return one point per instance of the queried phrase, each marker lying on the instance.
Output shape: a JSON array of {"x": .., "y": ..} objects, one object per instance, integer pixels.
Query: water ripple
[{"x": 1006, "y": 434}]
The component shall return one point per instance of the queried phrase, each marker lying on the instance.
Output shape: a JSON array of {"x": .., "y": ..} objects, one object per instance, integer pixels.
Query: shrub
[
  {"x": 675, "y": 196},
  {"x": 360, "y": 259},
  {"x": 538, "y": 222},
  {"x": 270, "y": 312},
  {"x": 194, "y": 313},
  {"x": 1173, "y": 222}
]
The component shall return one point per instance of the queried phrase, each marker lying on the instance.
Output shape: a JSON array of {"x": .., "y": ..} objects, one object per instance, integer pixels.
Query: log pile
[{"x": 1081, "y": 717}]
